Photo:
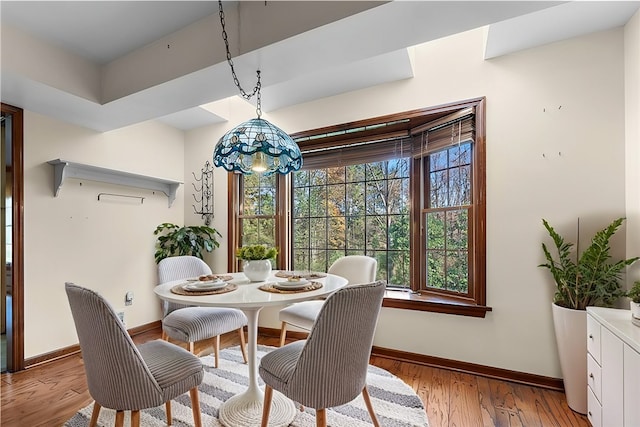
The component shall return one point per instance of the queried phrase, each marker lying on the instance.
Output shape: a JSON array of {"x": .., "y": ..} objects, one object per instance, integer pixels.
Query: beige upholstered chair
[
  {"x": 122, "y": 376},
  {"x": 355, "y": 268},
  {"x": 330, "y": 367},
  {"x": 192, "y": 324}
]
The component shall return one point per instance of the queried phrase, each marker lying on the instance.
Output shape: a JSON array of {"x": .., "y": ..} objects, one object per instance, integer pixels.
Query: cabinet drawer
[
  {"x": 594, "y": 377},
  {"x": 593, "y": 338},
  {"x": 594, "y": 410}
]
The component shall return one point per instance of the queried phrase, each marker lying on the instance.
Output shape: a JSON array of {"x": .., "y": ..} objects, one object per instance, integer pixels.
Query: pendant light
[{"x": 255, "y": 146}]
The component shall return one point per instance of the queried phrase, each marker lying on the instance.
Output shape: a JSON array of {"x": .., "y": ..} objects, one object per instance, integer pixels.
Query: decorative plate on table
[
  {"x": 205, "y": 285},
  {"x": 292, "y": 284},
  {"x": 209, "y": 279}
]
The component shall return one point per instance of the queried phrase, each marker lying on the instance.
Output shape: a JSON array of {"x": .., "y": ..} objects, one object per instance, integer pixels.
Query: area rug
[{"x": 395, "y": 403}]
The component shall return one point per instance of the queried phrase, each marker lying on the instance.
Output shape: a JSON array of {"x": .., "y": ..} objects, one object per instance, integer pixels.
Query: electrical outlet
[
  {"x": 128, "y": 298},
  {"x": 121, "y": 316}
]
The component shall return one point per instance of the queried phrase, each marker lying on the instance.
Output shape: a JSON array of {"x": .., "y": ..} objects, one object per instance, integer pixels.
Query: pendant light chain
[{"x": 256, "y": 89}]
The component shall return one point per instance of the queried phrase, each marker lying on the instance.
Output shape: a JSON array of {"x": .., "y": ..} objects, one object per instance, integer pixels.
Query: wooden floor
[{"x": 50, "y": 394}]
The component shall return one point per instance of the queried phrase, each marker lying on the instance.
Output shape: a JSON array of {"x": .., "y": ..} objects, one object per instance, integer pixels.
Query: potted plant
[
  {"x": 582, "y": 280},
  {"x": 634, "y": 294},
  {"x": 257, "y": 261},
  {"x": 174, "y": 240}
]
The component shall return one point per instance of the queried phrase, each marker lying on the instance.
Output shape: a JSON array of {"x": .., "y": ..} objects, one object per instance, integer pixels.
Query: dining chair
[
  {"x": 329, "y": 368},
  {"x": 355, "y": 268},
  {"x": 192, "y": 324},
  {"x": 123, "y": 376}
]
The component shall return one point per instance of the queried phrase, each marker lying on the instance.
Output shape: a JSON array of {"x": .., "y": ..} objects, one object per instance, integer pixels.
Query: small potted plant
[
  {"x": 634, "y": 294},
  {"x": 257, "y": 261},
  {"x": 174, "y": 240}
]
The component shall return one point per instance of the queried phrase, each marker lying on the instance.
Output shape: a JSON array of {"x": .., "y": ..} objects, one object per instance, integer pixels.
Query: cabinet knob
[
  {"x": 590, "y": 336},
  {"x": 591, "y": 376},
  {"x": 590, "y": 414}
]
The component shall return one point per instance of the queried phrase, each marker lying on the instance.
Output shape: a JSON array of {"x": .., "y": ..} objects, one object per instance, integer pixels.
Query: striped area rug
[{"x": 395, "y": 403}]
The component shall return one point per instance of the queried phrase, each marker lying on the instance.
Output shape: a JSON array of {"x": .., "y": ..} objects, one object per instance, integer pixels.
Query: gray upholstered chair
[
  {"x": 329, "y": 368},
  {"x": 192, "y": 324},
  {"x": 355, "y": 268},
  {"x": 123, "y": 376}
]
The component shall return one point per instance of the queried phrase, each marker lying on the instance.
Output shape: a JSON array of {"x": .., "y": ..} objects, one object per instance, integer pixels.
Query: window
[{"x": 406, "y": 189}]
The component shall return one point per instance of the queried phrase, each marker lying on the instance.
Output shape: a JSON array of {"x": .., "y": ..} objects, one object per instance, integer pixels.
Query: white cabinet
[{"x": 613, "y": 368}]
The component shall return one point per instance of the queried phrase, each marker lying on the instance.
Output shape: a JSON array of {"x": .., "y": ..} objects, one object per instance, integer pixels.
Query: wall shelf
[{"x": 64, "y": 169}]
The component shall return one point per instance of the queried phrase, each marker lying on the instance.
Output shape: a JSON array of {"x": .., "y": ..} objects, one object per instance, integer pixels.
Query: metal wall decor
[{"x": 205, "y": 196}]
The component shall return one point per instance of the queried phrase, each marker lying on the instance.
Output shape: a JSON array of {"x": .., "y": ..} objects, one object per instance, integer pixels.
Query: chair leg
[
  {"x": 192, "y": 347},
  {"x": 283, "y": 333},
  {"x": 167, "y": 407},
  {"x": 135, "y": 418},
  {"x": 266, "y": 406},
  {"x": 95, "y": 414},
  {"x": 321, "y": 418},
  {"x": 367, "y": 401},
  {"x": 119, "y": 418},
  {"x": 243, "y": 345},
  {"x": 165, "y": 336},
  {"x": 195, "y": 405},
  {"x": 216, "y": 350}
]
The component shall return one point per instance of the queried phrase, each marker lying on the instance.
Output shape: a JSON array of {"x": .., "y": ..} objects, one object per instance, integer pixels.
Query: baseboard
[
  {"x": 453, "y": 365},
  {"x": 75, "y": 349}
]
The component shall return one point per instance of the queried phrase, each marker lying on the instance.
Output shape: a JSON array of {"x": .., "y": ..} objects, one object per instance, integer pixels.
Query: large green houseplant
[
  {"x": 587, "y": 279},
  {"x": 584, "y": 279},
  {"x": 174, "y": 240}
]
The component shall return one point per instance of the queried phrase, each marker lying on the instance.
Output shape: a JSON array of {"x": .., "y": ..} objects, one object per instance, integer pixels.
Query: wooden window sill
[{"x": 436, "y": 304}]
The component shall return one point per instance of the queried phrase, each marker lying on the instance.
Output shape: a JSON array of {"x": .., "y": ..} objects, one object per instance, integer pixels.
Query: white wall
[
  {"x": 555, "y": 150},
  {"x": 105, "y": 245},
  {"x": 632, "y": 140}
]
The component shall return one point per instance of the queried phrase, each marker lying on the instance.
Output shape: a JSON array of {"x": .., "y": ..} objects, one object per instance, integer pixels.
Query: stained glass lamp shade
[{"x": 257, "y": 146}]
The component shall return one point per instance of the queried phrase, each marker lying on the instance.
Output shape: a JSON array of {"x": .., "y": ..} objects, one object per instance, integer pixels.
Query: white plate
[
  {"x": 205, "y": 286},
  {"x": 287, "y": 284}
]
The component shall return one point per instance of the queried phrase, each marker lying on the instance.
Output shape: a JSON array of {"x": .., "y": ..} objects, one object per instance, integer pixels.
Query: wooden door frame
[{"x": 15, "y": 328}]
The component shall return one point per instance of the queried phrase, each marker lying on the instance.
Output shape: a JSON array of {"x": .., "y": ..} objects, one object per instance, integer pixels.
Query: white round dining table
[{"x": 245, "y": 409}]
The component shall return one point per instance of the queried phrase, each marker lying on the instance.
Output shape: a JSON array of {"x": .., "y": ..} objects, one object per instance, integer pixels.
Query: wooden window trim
[{"x": 440, "y": 302}]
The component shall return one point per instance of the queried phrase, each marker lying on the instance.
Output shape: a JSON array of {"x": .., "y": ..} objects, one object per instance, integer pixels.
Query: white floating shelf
[{"x": 64, "y": 169}]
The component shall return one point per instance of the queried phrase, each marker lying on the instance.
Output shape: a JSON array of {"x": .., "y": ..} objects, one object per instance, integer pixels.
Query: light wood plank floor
[{"x": 50, "y": 394}]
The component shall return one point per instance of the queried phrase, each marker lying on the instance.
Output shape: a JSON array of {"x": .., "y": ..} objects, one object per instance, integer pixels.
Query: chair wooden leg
[
  {"x": 243, "y": 345},
  {"x": 216, "y": 350},
  {"x": 135, "y": 418},
  {"x": 165, "y": 336},
  {"x": 283, "y": 333},
  {"x": 119, "y": 418},
  {"x": 367, "y": 401},
  {"x": 266, "y": 406},
  {"x": 95, "y": 414},
  {"x": 192, "y": 347},
  {"x": 167, "y": 407},
  {"x": 195, "y": 405},
  {"x": 321, "y": 418}
]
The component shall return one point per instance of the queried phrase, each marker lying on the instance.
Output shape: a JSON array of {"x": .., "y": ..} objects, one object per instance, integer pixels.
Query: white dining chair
[{"x": 355, "y": 268}]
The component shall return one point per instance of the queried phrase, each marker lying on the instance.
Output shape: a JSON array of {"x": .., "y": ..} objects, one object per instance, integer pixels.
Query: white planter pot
[
  {"x": 257, "y": 270},
  {"x": 571, "y": 337},
  {"x": 635, "y": 309}
]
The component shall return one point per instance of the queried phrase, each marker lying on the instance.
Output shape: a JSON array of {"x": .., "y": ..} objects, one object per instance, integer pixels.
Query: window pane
[
  {"x": 376, "y": 197},
  {"x": 301, "y": 233},
  {"x": 355, "y": 173},
  {"x": 355, "y": 199},
  {"x": 383, "y": 272},
  {"x": 318, "y": 177},
  {"x": 438, "y": 161},
  {"x": 336, "y": 203},
  {"x": 376, "y": 232},
  {"x": 439, "y": 189},
  {"x": 355, "y": 232},
  {"x": 460, "y": 155},
  {"x": 301, "y": 202},
  {"x": 398, "y": 168},
  {"x": 317, "y": 201},
  {"x": 318, "y": 232},
  {"x": 337, "y": 228},
  {"x": 436, "y": 270},
  {"x": 399, "y": 232},
  {"x": 318, "y": 260},
  {"x": 258, "y": 232},
  {"x": 457, "y": 268},
  {"x": 399, "y": 269},
  {"x": 459, "y": 186},
  {"x": 335, "y": 175},
  {"x": 301, "y": 178},
  {"x": 376, "y": 171},
  {"x": 457, "y": 229},
  {"x": 398, "y": 196},
  {"x": 435, "y": 230}
]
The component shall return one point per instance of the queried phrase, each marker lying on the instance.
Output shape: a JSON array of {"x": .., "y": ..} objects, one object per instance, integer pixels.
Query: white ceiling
[{"x": 312, "y": 50}]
